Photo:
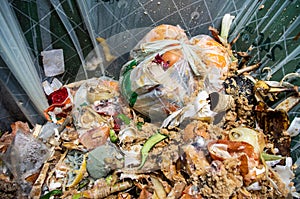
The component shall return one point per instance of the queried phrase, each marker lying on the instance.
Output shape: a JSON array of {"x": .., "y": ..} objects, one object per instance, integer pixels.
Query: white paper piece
[
  {"x": 50, "y": 88},
  {"x": 53, "y": 61},
  {"x": 294, "y": 128},
  {"x": 56, "y": 84}
]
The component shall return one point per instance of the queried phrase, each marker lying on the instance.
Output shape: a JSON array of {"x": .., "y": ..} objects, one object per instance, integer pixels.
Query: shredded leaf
[
  {"x": 76, "y": 196},
  {"x": 133, "y": 99},
  {"x": 139, "y": 125},
  {"x": 83, "y": 104},
  {"x": 289, "y": 76},
  {"x": 267, "y": 172},
  {"x": 109, "y": 179},
  {"x": 151, "y": 142},
  {"x": 51, "y": 193},
  {"x": 270, "y": 157},
  {"x": 269, "y": 71},
  {"x": 112, "y": 136},
  {"x": 83, "y": 183},
  {"x": 124, "y": 118},
  {"x": 130, "y": 66},
  {"x": 226, "y": 23}
]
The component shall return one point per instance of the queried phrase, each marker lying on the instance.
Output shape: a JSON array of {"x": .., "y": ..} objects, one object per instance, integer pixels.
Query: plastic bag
[
  {"x": 168, "y": 68},
  {"x": 95, "y": 102},
  {"x": 216, "y": 58},
  {"x": 155, "y": 92}
]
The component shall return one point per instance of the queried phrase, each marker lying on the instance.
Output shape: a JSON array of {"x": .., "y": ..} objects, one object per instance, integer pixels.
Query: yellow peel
[
  {"x": 79, "y": 173},
  {"x": 158, "y": 188},
  {"x": 108, "y": 56}
]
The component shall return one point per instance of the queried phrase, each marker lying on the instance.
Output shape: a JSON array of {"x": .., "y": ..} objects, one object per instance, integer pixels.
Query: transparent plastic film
[{"x": 168, "y": 67}]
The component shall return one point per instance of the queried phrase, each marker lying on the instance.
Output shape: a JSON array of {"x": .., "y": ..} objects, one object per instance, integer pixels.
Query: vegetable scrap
[
  {"x": 153, "y": 140},
  {"x": 183, "y": 121}
]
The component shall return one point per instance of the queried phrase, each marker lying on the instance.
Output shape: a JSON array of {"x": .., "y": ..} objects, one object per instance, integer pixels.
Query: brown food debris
[{"x": 222, "y": 180}]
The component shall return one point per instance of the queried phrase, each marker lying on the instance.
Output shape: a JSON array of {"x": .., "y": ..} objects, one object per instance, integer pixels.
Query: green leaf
[
  {"x": 51, "y": 193},
  {"x": 109, "y": 179},
  {"x": 112, "y": 136},
  {"x": 76, "y": 196},
  {"x": 269, "y": 157},
  {"x": 133, "y": 99},
  {"x": 124, "y": 118},
  {"x": 130, "y": 66},
  {"x": 151, "y": 142},
  {"x": 139, "y": 125},
  {"x": 83, "y": 183},
  {"x": 83, "y": 104}
]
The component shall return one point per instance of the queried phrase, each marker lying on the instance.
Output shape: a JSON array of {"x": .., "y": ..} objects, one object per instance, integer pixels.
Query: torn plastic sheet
[
  {"x": 53, "y": 61},
  {"x": 24, "y": 157}
]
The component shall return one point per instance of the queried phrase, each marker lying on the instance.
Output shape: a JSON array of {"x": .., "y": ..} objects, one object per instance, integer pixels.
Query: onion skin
[
  {"x": 171, "y": 57},
  {"x": 234, "y": 148},
  {"x": 213, "y": 54},
  {"x": 256, "y": 139}
]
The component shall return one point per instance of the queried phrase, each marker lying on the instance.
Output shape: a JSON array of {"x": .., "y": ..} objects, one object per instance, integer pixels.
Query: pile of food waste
[{"x": 185, "y": 120}]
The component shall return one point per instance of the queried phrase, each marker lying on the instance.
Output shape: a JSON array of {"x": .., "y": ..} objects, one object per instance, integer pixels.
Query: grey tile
[
  {"x": 112, "y": 30},
  {"x": 122, "y": 8},
  {"x": 122, "y": 43},
  {"x": 4, "y": 73},
  {"x": 238, "y": 4},
  {"x": 202, "y": 29},
  {"x": 113, "y": 70},
  {"x": 21, "y": 100},
  {"x": 218, "y": 8},
  {"x": 10, "y": 111},
  {"x": 136, "y": 19},
  {"x": 14, "y": 87},
  {"x": 195, "y": 15},
  {"x": 185, "y": 3},
  {"x": 173, "y": 19},
  {"x": 160, "y": 9},
  {"x": 144, "y": 2},
  {"x": 38, "y": 119},
  {"x": 102, "y": 18},
  {"x": 140, "y": 33}
]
